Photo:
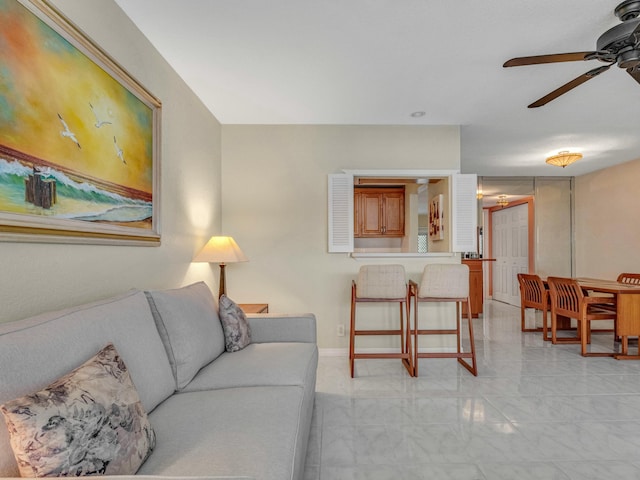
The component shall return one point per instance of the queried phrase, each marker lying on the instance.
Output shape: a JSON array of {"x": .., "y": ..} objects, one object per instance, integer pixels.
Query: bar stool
[
  {"x": 444, "y": 283},
  {"x": 387, "y": 284}
]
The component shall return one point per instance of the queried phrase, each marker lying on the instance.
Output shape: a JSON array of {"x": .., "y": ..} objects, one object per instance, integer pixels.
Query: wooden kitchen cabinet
[
  {"x": 476, "y": 294},
  {"x": 475, "y": 286},
  {"x": 379, "y": 212}
]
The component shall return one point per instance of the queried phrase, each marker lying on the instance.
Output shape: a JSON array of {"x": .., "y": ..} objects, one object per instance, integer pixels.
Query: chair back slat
[
  {"x": 629, "y": 278},
  {"x": 532, "y": 291},
  {"x": 566, "y": 295}
]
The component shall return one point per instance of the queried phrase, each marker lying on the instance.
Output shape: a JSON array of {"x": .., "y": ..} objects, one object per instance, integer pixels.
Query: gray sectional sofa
[{"x": 215, "y": 414}]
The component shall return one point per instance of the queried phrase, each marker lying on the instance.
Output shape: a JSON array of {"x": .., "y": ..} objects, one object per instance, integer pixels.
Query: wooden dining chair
[
  {"x": 444, "y": 283},
  {"x": 629, "y": 278},
  {"x": 568, "y": 299},
  {"x": 534, "y": 294},
  {"x": 381, "y": 284}
]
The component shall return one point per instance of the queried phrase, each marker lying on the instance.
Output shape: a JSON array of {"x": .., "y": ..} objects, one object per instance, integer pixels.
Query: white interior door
[{"x": 511, "y": 250}]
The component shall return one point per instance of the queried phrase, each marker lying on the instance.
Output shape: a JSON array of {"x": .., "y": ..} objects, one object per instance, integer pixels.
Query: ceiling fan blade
[
  {"x": 553, "y": 58},
  {"x": 635, "y": 73},
  {"x": 569, "y": 86}
]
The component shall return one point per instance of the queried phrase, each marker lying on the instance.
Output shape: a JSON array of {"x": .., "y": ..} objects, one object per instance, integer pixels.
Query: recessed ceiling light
[{"x": 418, "y": 114}]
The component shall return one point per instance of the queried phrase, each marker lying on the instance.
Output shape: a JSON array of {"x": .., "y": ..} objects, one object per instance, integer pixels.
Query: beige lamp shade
[{"x": 220, "y": 250}]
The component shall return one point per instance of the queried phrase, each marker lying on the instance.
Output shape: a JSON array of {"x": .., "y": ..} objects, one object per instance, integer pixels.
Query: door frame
[{"x": 529, "y": 201}]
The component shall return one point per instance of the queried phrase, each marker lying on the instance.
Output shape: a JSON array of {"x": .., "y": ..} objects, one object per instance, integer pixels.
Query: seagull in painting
[
  {"x": 68, "y": 133},
  {"x": 119, "y": 151},
  {"x": 99, "y": 123}
]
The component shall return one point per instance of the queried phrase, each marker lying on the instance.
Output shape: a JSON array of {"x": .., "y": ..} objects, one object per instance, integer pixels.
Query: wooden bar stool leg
[
  {"x": 408, "y": 350},
  {"x": 473, "y": 368},
  {"x": 458, "y": 339},
  {"x": 415, "y": 336},
  {"x": 408, "y": 361},
  {"x": 472, "y": 341},
  {"x": 352, "y": 332},
  {"x": 402, "y": 331}
]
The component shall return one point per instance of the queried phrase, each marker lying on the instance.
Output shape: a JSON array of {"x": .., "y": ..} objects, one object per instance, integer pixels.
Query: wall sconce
[
  {"x": 564, "y": 158},
  {"x": 221, "y": 250},
  {"x": 502, "y": 201}
]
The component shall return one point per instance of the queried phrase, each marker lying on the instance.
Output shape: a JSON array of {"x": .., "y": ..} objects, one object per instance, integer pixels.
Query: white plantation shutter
[
  {"x": 464, "y": 212},
  {"x": 340, "y": 213}
]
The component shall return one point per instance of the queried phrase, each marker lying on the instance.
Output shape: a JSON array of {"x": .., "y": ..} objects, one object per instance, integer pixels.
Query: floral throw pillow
[
  {"x": 237, "y": 333},
  {"x": 88, "y": 422}
]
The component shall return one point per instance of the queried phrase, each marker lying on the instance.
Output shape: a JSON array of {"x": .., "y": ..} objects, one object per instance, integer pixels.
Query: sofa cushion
[
  {"x": 259, "y": 431},
  {"x": 260, "y": 364},
  {"x": 88, "y": 422},
  {"x": 190, "y": 328},
  {"x": 36, "y": 351},
  {"x": 237, "y": 333}
]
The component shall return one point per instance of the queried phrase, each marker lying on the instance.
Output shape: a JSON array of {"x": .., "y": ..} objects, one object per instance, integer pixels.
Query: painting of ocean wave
[
  {"x": 75, "y": 200},
  {"x": 79, "y": 137}
]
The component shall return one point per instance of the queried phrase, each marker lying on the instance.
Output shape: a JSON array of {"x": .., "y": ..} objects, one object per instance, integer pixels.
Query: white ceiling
[{"x": 374, "y": 62}]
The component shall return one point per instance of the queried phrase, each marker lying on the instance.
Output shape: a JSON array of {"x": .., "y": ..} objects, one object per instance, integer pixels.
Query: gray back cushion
[
  {"x": 188, "y": 322},
  {"x": 36, "y": 351}
]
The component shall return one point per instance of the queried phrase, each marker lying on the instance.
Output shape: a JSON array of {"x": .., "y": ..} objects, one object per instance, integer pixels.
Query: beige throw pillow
[{"x": 88, "y": 422}]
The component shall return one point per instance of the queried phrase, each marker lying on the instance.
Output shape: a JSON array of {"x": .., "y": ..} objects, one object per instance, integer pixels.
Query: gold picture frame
[{"x": 79, "y": 136}]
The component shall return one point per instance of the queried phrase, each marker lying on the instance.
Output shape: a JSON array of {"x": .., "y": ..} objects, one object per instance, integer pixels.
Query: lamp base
[{"x": 222, "y": 284}]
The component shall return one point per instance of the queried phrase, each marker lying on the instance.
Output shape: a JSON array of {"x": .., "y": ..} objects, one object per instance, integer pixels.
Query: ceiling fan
[{"x": 620, "y": 44}]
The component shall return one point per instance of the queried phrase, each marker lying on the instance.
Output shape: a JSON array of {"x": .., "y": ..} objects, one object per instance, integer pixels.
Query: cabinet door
[
  {"x": 475, "y": 287},
  {"x": 371, "y": 208},
  {"x": 357, "y": 217},
  {"x": 393, "y": 214}
]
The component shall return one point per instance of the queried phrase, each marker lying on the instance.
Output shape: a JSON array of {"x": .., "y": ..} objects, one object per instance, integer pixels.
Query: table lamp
[{"x": 221, "y": 250}]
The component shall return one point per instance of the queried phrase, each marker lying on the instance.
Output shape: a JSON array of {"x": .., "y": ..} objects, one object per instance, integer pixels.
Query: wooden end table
[{"x": 254, "y": 307}]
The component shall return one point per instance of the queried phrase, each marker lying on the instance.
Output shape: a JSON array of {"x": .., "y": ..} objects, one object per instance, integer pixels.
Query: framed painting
[
  {"x": 79, "y": 137},
  {"x": 436, "y": 218}
]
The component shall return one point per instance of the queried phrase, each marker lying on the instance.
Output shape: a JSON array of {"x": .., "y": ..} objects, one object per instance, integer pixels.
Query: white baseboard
[
  {"x": 344, "y": 352},
  {"x": 333, "y": 352}
]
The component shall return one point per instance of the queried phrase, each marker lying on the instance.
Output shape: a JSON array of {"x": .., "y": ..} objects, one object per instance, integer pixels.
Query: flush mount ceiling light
[
  {"x": 564, "y": 158},
  {"x": 418, "y": 114},
  {"x": 502, "y": 201}
]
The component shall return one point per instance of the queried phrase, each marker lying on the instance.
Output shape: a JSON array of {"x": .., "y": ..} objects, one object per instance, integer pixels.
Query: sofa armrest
[{"x": 275, "y": 327}]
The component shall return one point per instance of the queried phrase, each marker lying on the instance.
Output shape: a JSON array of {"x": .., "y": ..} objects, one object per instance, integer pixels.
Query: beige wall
[
  {"x": 553, "y": 249},
  {"x": 607, "y": 234},
  {"x": 274, "y": 198},
  {"x": 38, "y": 277}
]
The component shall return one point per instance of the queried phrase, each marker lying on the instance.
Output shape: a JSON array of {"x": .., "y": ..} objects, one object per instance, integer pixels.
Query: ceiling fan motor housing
[
  {"x": 617, "y": 44},
  {"x": 629, "y": 59},
  {"x": 628, "y": 10}
]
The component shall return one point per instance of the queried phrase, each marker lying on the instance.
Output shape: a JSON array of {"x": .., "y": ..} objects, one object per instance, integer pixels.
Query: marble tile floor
[{"x": 535, "y": 411}]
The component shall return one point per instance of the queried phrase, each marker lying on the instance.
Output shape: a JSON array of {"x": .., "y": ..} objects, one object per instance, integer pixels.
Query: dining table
[{"x": 627, "y": 310}]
